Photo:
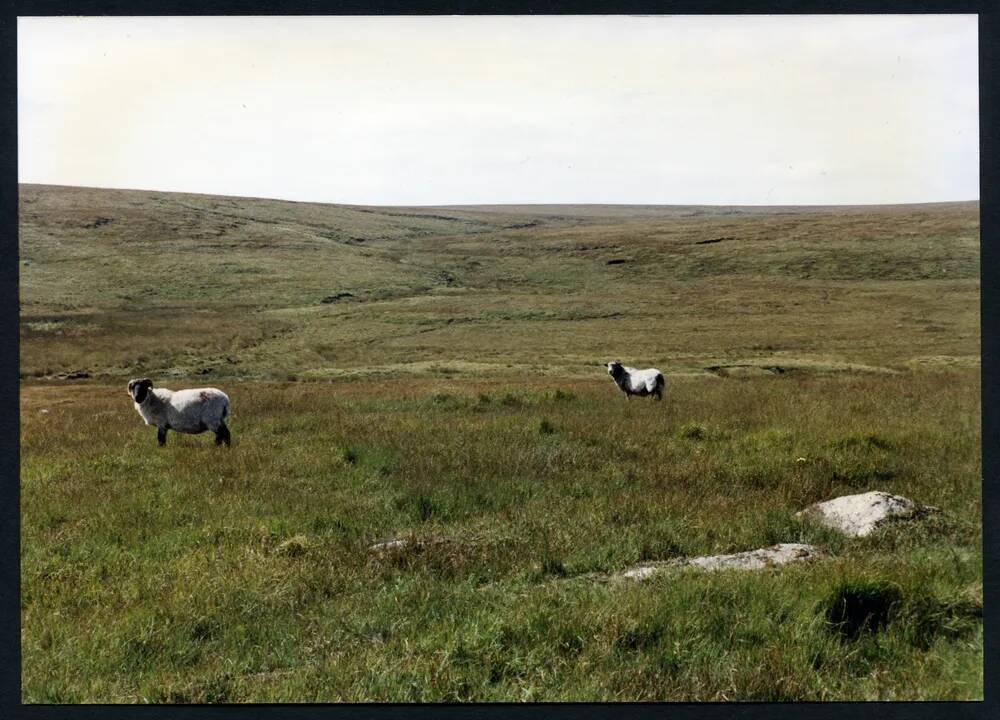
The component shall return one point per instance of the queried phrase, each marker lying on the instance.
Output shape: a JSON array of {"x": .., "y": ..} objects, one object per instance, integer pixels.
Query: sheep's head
[
  {"x": 615, "y": 369},
  {"x": 139, "y": 389}
]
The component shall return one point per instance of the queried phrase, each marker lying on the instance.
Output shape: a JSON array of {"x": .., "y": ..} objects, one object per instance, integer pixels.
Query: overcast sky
[{"x": 444, "y": 110}]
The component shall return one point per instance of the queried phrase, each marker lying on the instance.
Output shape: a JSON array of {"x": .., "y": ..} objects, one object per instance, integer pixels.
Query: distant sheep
[
  {"x": 637, "y": 382},
  {"x": 186, "y": 411}
]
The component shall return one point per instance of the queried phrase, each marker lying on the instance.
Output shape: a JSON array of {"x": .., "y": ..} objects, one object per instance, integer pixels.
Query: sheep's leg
[
  {"x": 161, "y": 436},
  {"x": 222, "y": 435}
]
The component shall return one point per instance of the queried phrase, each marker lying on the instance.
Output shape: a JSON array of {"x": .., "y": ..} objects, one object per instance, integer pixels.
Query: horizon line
[{"x": 511, "y": 204}]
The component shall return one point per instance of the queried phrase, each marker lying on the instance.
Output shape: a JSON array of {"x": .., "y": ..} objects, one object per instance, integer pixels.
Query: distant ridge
[{"x": 576, "y": 209}]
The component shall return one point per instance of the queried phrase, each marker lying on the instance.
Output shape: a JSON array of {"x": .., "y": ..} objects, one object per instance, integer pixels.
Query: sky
[{"x": 757, "y": 110}]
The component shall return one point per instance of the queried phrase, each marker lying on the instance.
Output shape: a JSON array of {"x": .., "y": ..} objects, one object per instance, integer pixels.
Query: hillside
[
  {"x": 116, "y": 283},
  {"x": 448, "y": 518}
]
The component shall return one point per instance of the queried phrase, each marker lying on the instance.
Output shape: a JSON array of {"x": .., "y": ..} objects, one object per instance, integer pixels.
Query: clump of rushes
[
  {"x": 693, "y": 431},
  {"x": 861, "y": 606},
  {"x": 350, "y": 455},
  {"x": 545, "y": 427},
  {"x": 293, "y": 546}
]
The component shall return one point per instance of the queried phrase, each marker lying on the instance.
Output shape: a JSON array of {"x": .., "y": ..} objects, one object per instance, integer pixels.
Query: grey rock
[
  {"x": 780, "y": 554},
  {"x": 388, "y": 545},
  {"x": 860, "y": 515}
]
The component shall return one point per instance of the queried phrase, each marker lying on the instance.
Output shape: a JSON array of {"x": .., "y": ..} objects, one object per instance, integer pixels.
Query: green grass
[
  {"x": 458, "y": 400},
  {"x": 193, "y": 573}
]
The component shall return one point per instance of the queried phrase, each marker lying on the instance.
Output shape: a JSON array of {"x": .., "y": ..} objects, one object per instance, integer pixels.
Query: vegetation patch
[
  {"x": 416, "y": 413},
  {"x": 293, "y": 546},
  {"x": 867, "y": 441},
  {"x": 926, "y": 617},
  {"x": 861, "y": 606},
  {"x": 693, "y": 431},
  {"x": 381, "y": 460}
]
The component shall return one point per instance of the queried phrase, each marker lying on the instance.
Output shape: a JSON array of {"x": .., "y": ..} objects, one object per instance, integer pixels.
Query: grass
[
  {"x": 170, "y": 289},
  {"x": 470, "y": 416},
  {"x": 197, "y": 574}
]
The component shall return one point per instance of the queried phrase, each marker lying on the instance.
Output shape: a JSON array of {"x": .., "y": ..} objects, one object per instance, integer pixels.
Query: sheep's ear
[{"x": 131, "y": 384}]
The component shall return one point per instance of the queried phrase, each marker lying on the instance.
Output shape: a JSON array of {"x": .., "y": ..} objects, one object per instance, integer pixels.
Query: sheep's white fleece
[
  {"x": 641, "y": 381},
  {"x": 186, "y": 411}
]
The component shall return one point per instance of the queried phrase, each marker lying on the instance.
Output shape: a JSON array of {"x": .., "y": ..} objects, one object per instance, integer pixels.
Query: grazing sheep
[
  {"x": 637, "y": 382},
  {"x": 186, "y": 411}
]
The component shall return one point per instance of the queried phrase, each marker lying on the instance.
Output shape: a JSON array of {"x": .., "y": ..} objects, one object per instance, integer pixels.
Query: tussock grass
[
  {"x": 450, "y": 391},
  {"x": 192, "y": 573},
  {"x": 859, "y": 606}
]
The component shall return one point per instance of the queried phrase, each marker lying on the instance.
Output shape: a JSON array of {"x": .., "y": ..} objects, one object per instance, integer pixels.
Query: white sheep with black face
[
  {"x": 187, "y": 411},
  {"x": 637, "y": 382}
]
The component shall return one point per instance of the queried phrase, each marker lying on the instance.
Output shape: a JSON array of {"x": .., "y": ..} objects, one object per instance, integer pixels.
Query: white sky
[{"x": 445, "y": 110}]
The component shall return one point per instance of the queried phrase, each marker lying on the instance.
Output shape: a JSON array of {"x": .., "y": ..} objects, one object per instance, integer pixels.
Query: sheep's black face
[
  {"x": 139, "y": 389},
  {"x": 615, "y": 369}
]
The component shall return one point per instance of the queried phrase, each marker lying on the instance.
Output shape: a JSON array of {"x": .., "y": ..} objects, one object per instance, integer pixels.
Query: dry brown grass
[{"x": 457, "y": 292}]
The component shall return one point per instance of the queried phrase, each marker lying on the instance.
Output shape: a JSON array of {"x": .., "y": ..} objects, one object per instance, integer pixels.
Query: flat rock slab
[
  {"x": 780, "y": 554},
  {"x": 388, "y": 545},
  {"x": 398, "y": 545},
  {"x": 859, "y": 515}
]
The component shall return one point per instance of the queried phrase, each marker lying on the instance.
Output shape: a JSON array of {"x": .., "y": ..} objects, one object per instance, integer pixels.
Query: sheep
[
  {"x": 187, "y": 411},
  {"x": 637, "y": 382}
]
